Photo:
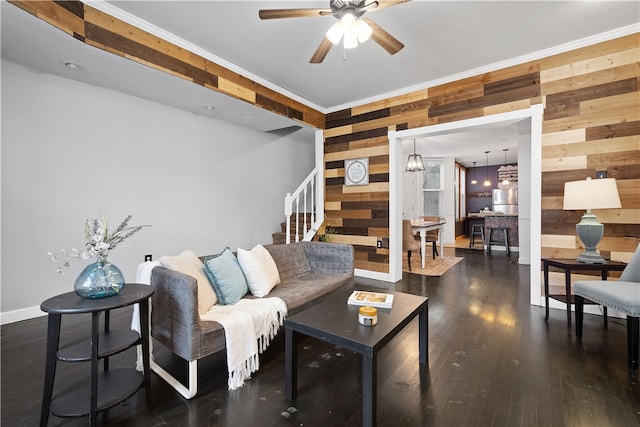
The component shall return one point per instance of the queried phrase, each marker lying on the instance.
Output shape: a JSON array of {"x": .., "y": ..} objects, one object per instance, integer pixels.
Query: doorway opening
[{"x": 529, "y": 165}]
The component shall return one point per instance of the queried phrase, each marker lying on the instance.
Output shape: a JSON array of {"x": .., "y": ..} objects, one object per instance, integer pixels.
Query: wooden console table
[
  {"x": 569, "y": 265},
  {"x": 101, "y": 390}
]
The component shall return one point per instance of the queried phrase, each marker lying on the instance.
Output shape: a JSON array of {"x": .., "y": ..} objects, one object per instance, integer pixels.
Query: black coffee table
[{"x": 336, "y": 322}]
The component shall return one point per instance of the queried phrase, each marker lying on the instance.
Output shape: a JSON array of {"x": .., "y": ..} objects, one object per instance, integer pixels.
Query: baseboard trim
[
  {"x": 372, "y": 275},
  {"x": 21, "y": 314}
]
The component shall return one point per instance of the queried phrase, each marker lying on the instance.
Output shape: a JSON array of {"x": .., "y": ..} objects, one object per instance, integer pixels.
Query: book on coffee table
[{"x": 373, "y": 299}]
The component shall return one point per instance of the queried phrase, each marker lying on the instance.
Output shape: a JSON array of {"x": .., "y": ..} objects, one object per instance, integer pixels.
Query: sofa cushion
[
  {"x": 259, "y": 269},
  {"x": 291, "y": 260},
  {"x": 620, "y": 295},
  {"x": 226, "y": 277},
  {"x": 188, "y": 263},
  {"x": 310, "y": 289}
]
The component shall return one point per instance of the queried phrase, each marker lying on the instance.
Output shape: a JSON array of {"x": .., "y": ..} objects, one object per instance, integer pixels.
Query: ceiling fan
[{"x": 351, "y": 25}]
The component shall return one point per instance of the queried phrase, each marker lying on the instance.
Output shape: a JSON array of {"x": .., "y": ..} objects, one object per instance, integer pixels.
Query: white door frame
[{"x": 530, "y": 218}]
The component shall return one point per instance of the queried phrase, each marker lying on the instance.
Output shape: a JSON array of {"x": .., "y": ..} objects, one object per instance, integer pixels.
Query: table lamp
[{"x": 591, "y": 194}]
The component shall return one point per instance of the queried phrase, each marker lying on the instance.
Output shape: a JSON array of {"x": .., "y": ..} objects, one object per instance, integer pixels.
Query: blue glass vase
[{"x": 99, "y": 280}]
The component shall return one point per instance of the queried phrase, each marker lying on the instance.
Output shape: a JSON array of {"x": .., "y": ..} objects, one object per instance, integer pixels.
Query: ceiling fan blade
[
  {"x": 292, "y": 13},
  {"x": 383, "y": 4},
  {"x": 384, "y": 39},
  {"x": 321, "y": 52}
]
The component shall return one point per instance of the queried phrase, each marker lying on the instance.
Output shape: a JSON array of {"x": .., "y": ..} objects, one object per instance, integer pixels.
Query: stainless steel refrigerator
[{"x": 505, "y": 201}]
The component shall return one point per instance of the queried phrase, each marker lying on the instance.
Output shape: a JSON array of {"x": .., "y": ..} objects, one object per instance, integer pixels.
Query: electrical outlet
[
  {"x": 385, "y": 243},
  {"x": 379, "y": 243},
  {"x": 148, "y": 257}
]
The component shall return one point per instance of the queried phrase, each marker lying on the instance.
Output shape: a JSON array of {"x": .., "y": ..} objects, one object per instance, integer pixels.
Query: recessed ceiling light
[
  {"x": 72, "y": 66},
  {"x": 247, "y": 119},
  {"x": 209, "y": 107}
]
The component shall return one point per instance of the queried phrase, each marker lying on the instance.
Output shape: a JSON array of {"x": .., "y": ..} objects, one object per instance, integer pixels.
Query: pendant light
[
  {"x": 414, "y": 163},
  {"x": 505, "y": 181},
  {"x": 487, "y": 183},
  {"x": 474, "y": 181}
]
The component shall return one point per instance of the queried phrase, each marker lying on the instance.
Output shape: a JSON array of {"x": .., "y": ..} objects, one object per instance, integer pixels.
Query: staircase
[
  {"x": 303, "y": 210},
  {"x": 280, "y": 237}
]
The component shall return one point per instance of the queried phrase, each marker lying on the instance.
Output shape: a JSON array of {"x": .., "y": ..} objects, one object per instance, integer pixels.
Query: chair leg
[
  {"x": 506, "y": 241},
  {"x": 409, "y": 259},
  {"x": 633, "y": 332},
  {"x": 579, "y": 316},
  {"x": 435, "y": 250}
]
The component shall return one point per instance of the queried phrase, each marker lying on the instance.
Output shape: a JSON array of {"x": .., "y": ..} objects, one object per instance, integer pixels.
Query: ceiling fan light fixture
[
  {"x": 348, "y": 22},
  {"x": 363, "y": 31},
  {"x": 351, "y": 27},
  {"x": 350, "y": 40},
  {"x": 335, "y": 33}
]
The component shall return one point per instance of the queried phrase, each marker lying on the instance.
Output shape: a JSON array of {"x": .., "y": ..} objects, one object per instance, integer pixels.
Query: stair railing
[{"x": 311, "y": 191}]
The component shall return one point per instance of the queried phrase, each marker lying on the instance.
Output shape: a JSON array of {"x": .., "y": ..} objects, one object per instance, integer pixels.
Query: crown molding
[
  {"x": 109, "y": 9},
  {"x": 534, "y": 56}
]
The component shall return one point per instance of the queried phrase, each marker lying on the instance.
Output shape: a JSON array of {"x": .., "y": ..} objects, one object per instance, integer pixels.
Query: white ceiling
[
  {"x": 469, "y": 145},
  {"x": 444, "y": 40}
]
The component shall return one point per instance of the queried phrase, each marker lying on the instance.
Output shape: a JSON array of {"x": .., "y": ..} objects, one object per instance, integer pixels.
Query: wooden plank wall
[
  {"x": 591, "y": 123},
  {"x": 105, "y": 32}
]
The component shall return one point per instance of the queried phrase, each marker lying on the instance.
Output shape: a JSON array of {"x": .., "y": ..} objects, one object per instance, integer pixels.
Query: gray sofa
[{"x": 309, "y": 271}]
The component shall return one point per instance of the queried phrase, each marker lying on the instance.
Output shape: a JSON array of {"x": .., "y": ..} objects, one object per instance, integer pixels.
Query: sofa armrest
[
  {"x": 329, "y": 257},
  {"x": 175, "y": 321}
]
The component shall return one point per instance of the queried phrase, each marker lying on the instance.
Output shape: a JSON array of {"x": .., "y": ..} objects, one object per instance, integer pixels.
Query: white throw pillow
[
  {"x": 188, "y": 263},
  {"x": 259, "y": 269}
]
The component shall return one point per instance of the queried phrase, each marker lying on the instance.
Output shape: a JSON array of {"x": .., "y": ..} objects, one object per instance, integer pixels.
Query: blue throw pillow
[{"x": 226, "y": 277}]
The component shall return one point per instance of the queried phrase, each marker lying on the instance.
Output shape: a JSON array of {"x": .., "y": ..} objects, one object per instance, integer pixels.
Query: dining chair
[
  {"x": 432, "y": 236},
  {"x": 408, "y": 242}
]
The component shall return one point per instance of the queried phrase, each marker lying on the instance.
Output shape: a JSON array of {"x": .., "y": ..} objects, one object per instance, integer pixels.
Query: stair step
[
  {"x": 280, "y": 237},
  {"x": 283, "y": 227}
]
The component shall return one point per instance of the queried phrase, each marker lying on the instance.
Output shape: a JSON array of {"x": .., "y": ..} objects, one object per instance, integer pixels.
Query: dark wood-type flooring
[{"x": 493, "y": 361}]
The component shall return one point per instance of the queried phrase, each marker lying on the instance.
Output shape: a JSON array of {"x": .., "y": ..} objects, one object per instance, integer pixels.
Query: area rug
[{"x": 433, "y": 267}]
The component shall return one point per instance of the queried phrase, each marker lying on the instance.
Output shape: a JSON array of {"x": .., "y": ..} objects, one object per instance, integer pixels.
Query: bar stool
[
  {"x": 505, "y": 231},
  {"x": 476, "y": 230}
]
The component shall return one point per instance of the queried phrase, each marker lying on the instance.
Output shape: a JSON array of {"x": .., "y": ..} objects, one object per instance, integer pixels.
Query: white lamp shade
[
  {"x": 335, "y": 33},
  {"x": 591, "y": 194},
  {"x": 350, "y": 40},
  {"x": 348, "y": 22},
  {"x": 363, "y": 31}
]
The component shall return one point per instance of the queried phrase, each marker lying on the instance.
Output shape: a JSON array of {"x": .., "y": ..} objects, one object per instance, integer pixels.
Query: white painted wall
[{"x": 71, "y": 150}]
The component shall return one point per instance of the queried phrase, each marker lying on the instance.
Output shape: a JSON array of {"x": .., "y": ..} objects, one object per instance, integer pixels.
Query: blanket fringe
[
  {"x": 271, "y": 325},
  {"x": 249, "y": 325},
  {"x": 243, "y": 372}
]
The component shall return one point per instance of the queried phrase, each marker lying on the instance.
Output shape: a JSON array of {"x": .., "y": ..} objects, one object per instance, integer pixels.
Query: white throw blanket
[
  {"x": 249, "y": 325},
  {"x": 143, "y": 276}
]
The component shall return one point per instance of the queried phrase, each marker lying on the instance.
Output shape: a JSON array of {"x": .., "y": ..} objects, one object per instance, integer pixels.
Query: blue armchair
[{"x": 622, "y": 295}]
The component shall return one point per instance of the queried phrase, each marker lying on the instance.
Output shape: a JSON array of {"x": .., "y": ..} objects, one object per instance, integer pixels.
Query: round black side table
[{"x": 105, "y": 388}]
